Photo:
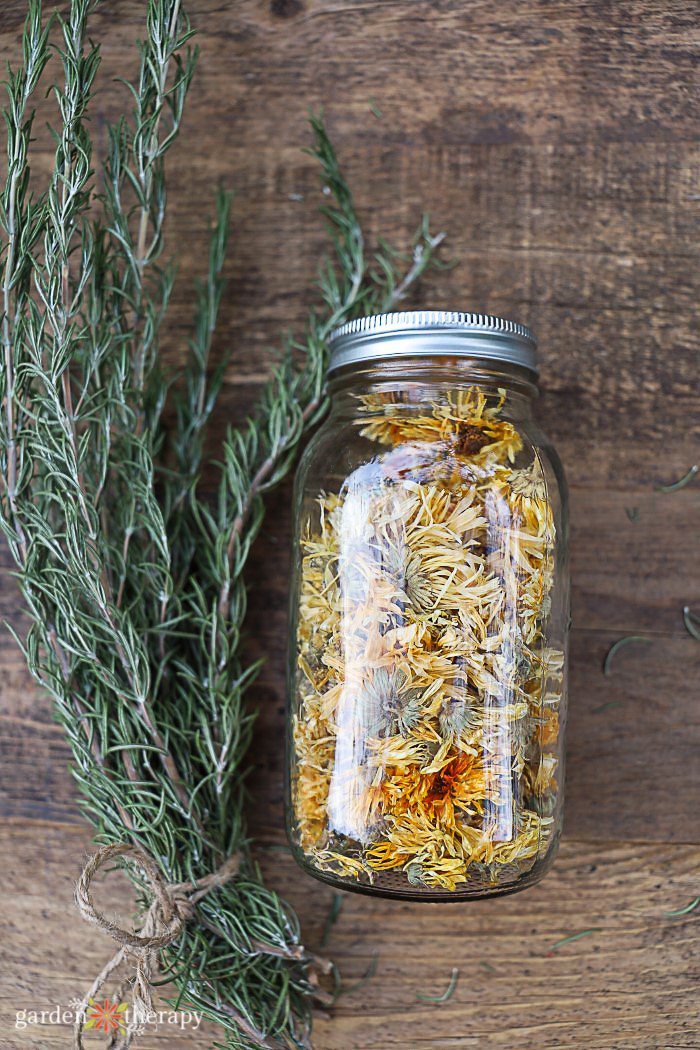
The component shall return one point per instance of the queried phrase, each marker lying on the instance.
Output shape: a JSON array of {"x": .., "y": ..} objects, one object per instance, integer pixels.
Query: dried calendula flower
[
  {"x": 426, "y": 725},
  {"x": 455, "y": 718},
  {"x": 416, "y": 583},
  {"x": 397, "y": 704}
]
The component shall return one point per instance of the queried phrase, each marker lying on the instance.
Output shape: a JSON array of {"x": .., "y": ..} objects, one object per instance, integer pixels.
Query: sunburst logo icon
[{"x": 107, "y": 1016}]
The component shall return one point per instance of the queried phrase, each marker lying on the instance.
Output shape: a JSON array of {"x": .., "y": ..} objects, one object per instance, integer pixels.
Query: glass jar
[{"x": 429, "y": 616}]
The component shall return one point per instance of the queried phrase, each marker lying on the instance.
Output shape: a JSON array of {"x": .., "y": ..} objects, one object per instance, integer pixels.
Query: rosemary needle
[
  {"x": 374, "y": 109},
  {"x": 685, "y": 480},
  {"x": 447, "y": 994},
  {"x": 684, "y": 911},
  {"x": 618, "y": 645},
  {"x": 369, "y": 973},
  {"x": 331, "y": 918},
  {"x": 576, "y": 936},
  {"x": 632, "y": 513},
  {"x": 605, "y": 706},
  {"x": 690, "y": 619}
]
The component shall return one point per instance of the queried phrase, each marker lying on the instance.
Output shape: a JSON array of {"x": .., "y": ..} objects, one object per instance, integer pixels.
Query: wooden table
[{"x": 559, "y": 146}]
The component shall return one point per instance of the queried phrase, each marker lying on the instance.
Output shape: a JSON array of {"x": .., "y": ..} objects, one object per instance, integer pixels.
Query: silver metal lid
[{"x": 428, "y": 333}]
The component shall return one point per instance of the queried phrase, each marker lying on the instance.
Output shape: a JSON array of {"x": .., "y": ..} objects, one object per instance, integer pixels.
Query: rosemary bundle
[{"x": 131, "y": 574}]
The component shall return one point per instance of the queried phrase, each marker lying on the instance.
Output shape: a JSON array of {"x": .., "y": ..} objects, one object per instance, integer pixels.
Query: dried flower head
[
  {"x": 397, "y": 703},
  {"x": 455, "y": 718}
]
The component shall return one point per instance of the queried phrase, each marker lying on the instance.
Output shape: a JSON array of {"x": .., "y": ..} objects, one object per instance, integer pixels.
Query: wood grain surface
[{"x": 558, "y": 144}]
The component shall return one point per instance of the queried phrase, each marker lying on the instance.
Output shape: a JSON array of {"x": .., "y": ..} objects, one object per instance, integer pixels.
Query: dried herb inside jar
[{"x": 427, "y": 721}]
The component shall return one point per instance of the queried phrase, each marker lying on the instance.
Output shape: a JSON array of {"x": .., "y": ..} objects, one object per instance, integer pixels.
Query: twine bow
[{"x": 173, "y": 904}]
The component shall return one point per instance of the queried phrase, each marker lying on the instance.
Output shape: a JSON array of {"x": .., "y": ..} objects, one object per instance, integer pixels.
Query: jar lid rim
[{"x": 424, "y": 333}]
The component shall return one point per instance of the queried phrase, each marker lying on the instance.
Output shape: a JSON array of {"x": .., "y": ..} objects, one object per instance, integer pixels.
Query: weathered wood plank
[
  {"x": 635, "y": 577},
  {"x": 559, "y": 215},
  {"x": 631, "y": 984}
]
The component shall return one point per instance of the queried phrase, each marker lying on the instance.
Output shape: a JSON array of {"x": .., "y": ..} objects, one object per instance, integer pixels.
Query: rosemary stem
[
  {"x": 416, "y": 269},
  {"x": 260, "y": 1040},
  {"x": 146, "y": 181},
  {"x": 11, "y": 479},
  {"x": 141, "y": 254},
  {"x": 268, "y": 465},
  {"x": 264, "y": 471},
  {"x": 262, "y": 475}
]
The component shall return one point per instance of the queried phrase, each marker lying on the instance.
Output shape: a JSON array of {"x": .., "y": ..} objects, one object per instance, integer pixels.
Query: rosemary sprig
[
  {"x": 21, "y": 223},
  {"x": 131, "y": 574}
]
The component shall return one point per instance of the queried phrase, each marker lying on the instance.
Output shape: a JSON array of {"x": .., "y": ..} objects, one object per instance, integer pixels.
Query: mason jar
[{"x": 429, "y": 616}]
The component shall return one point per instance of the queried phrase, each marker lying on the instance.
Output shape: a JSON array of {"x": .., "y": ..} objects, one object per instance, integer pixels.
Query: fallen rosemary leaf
[
  {"x": 332, "y": 918},
  {"x": 632, "y": 513},
  {"x": 690, "y": 619},
  {"x": 618, "y": 645},
  {"x": 576, "y": 937},
  {"x": 488, "y": 966},
  {"x": 369, "y": 973},
  {"x": 602, "y": 707},
  {"x": 447, "y": 994},
  {"x": 374, "y": 109},
  {"x": 685, "y": 480},
  {"x": 684, "y": 911}
]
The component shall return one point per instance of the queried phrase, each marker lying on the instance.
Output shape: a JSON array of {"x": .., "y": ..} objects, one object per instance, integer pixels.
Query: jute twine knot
[{"x": 172, "y": 906}]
